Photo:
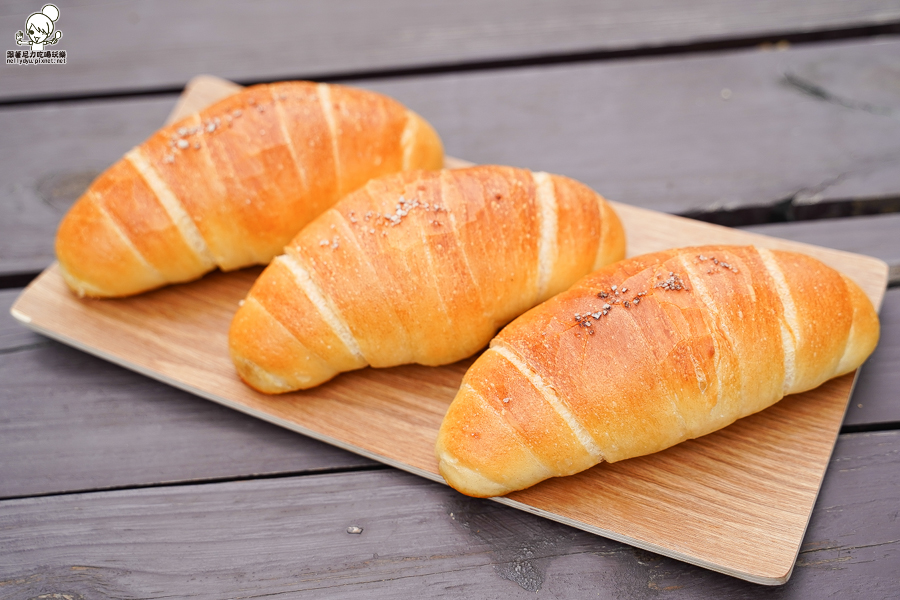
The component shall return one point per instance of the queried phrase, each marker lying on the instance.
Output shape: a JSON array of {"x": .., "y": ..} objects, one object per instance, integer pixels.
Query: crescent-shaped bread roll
[
  {"x": 230, "y": 186},
  {"x": 647, "y": 353},
  {"x": 418, "y": 267}
]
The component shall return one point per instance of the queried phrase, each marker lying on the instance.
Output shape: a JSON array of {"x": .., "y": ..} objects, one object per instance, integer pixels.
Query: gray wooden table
[{"x": 781, "y": 117}]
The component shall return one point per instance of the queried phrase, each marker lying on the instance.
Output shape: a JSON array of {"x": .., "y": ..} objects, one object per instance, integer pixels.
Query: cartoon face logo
[{"x": 40, "y": 29}]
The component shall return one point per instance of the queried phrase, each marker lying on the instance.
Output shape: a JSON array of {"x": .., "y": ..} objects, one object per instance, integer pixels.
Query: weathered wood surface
[
  {"x": 132, "y": 46},
  {"x": 661, "y": 134},
  {"x": 877, "y": 236},
  {"x": 70, "y": 421},
  {"x": 876, "y": 399},
  {"x": 44, "y": 173},
  {"x": 653, "y": 133},
  {"x": 289, "y": 537},
  {"x": 14, "y": 336}
]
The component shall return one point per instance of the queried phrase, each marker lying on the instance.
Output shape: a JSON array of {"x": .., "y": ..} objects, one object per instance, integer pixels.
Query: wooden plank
[
  {"x": 135, "y": 46},
  {"x": 872, "y": 235},
  {"x": 816, "y": 204},
  {"x": 660, "y": 134},
  {"x": 13, "y": 335},
  {"x": 859, "y": 84},
  {"x": 41, "y": 183},
  {"x": 875, "y": 397},
  {"x": 288, "y": 536},
  {"x": 74, "y": 422},
  {"x": 652, "y": 133},
  {"x": 179, "y": 335}
]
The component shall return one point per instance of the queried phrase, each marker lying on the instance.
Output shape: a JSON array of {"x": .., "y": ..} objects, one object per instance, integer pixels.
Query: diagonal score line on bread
[
  {"x": 553, "y": 399},
  {"x": 326, "y": 309},
  {"x": 610, "y": 228},
  {"x": 646, "y": 353},
  {"x": 533, "y": 463},
  {"x": 433, "y": 266},
  {"x": 548, "y": 248},
  {"x": 297, "y": 347},
  {"x": 173, "y": 207},
  {"x": 419, "y": 267},
  {"x": 408, "y": 141},
  {"x": 788, "y": 323},
  {"x": 116, "y": 227},
  {"x": 324, "y": 93},
  {"x": 482, "y": 302},
  {"x": 403, "y": 344},
  {"x": 150, "y": 275},
  {"x": 229, "y": 186},
  {"x": 705, "y": 381},
  {"x": 283, "y": 118},
  {"x": 718, "y": 344},
  {"x": 271, "y": 380}
]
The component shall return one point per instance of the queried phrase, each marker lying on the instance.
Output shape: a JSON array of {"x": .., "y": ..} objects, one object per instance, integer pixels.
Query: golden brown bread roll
[
  {"x": 647, "y": 353},
  {"x": 230, "y": 186},
  {"x": 418, "y": 267}
]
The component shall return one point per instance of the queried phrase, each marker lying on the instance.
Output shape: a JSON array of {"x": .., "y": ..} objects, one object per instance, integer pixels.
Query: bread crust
[
  {"x": 683, "y": 343},
  {"x": 230, "y": 186},
  {"x": 424, "y": 267}
]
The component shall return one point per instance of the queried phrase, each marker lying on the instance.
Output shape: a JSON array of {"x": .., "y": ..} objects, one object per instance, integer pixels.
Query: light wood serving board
[{"x": 736, "y": 501}]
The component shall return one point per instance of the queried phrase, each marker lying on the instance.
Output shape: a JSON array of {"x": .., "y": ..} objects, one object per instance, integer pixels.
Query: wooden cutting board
[{"x": 737, "y": 501}]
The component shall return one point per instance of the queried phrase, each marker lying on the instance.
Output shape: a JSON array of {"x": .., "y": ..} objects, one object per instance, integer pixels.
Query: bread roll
[
  {"x": 647, "y": 353},
  {"x": 230, "y": 186},
  {"x": 419, "y": 267}
]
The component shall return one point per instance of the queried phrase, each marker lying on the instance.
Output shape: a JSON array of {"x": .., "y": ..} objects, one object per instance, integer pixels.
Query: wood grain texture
[
  {"x": 866, "y": 84},
  {"x": 288, "y": 537},
  {"x": 135, "y": 46},
  {"x": 871, "y": 235},
  {"x": 74, "y": 422},
  {"x": 81, "y": 141},
  {"x": 178, "y": 335},
  {"x": 653, "y": 133},
  {"x": 659, "y": 133}
]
